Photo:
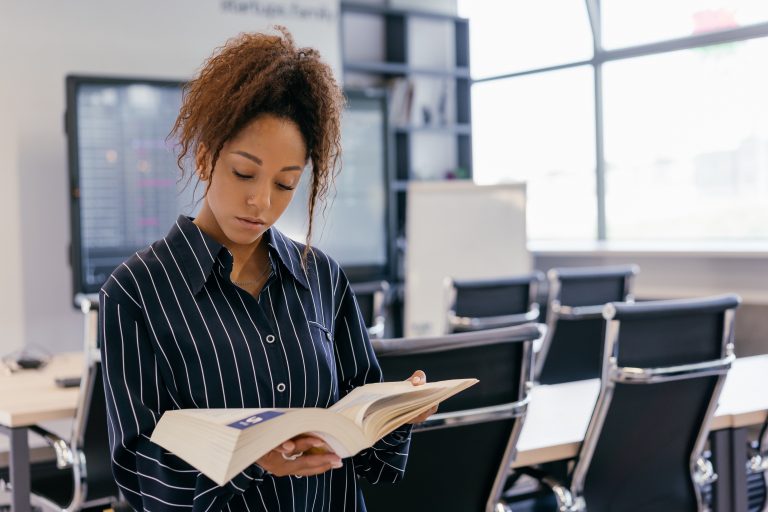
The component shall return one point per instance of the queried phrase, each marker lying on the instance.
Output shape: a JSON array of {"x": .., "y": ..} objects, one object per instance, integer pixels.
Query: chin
[{"x": 245, "y": 236}]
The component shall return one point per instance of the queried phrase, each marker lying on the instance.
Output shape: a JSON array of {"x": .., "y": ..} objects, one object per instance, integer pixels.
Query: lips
[
  {"x": 251, "y": 224},
  {"x": 251, "y": 220}
]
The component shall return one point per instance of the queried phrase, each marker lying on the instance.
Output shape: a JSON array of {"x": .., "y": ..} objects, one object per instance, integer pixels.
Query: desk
[
  {"x": 558, "y": 416},
  {"x": 28, "y": 398}
]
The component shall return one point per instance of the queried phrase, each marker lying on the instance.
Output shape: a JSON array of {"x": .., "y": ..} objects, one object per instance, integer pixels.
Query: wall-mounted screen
[{"x": 125, "y": 191}]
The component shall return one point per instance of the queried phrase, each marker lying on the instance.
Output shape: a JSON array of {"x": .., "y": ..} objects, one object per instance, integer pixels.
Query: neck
[{"x": 249, "y": 260}]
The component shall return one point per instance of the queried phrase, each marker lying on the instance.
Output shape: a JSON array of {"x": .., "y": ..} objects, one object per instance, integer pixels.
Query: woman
[{"x": 226, "y": 311}]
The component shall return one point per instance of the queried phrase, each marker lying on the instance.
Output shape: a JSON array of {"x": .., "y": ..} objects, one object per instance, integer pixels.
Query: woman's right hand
[{"x": 316, "y": 458}]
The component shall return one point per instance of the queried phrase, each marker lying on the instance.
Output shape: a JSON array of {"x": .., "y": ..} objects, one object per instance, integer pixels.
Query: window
[
  {"x": 540, "y": 129},
  {"x": 514, "y": 36},
  {"x": 634, "y": 23},
  {"x": 686, "y": 144},
  {"x": 684, "y": 131}
]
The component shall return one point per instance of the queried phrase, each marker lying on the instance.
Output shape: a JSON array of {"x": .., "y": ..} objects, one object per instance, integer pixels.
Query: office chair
[
  {"x": 757, "y": 473},
  {"x": 470, "y": 442},
  {"x": 664, "y": 366},
  {"x": 83, "y": 476},
  {"x": 573, "y": 341},
  {"x": 372, "y": 300},
  {"x": 491, "y": 303}
]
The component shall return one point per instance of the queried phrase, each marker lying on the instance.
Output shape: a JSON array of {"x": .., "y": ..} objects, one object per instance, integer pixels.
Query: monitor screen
[
  {"x": 126, "y": 192},
  {"x": 352, "y": 228}
]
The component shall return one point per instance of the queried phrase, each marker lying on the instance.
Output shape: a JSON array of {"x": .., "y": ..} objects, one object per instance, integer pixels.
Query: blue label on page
[{"x": 255, "y": 419}]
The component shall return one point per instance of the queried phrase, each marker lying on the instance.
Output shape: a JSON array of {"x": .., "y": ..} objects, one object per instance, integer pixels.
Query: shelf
[
  {"x": 396, "y": 11},
  {"x": 397, "y": 69},
  {"x": 452, "y": 129}
]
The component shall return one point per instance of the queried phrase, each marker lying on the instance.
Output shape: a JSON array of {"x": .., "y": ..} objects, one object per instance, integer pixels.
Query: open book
[{"x": 221, "y": 443}]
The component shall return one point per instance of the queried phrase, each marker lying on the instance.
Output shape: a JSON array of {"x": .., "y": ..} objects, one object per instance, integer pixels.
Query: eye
[
  {"x": 241, "y": 176},
  {"x": 285, "y": 187}
]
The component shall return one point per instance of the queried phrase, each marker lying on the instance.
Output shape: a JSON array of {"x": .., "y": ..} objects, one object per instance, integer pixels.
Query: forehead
[{"x": 271, "y": 134}]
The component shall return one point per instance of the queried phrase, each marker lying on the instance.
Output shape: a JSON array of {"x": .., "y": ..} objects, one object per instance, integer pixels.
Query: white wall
[
  {"x": 11, "y": 311},
  {"x": 40, "y": 43}
]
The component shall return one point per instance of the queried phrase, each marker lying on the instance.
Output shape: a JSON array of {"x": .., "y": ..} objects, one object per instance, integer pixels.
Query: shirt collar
[
  {"x": 289, "y": 254},
  {"x": 200, "y": 252}
]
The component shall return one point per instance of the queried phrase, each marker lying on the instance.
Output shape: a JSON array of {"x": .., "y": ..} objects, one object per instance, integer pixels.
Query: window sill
[{"x": 736, "y": 250}]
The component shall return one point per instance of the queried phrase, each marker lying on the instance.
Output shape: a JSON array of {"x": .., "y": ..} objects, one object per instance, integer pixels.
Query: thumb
[{"x": 418, "y": 378}]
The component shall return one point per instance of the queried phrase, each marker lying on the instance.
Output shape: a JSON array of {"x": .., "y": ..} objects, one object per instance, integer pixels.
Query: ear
[{"x": 203, "y": 162}]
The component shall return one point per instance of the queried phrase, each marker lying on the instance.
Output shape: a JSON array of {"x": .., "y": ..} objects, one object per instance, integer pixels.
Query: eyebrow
[{"x": 258, "y": 161}]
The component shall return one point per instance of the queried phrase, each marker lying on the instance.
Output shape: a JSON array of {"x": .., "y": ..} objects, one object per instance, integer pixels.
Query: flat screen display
[{"x": 125, "y": 190}]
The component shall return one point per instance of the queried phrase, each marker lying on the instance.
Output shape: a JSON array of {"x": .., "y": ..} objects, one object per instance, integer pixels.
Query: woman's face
[{"x": 255, "y": 177}]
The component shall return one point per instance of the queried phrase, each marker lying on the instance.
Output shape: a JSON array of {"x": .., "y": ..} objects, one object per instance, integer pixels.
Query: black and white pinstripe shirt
[{"x": 176, "y": 333}]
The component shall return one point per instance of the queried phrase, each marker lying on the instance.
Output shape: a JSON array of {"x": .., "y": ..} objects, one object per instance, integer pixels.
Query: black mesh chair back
[
  {"x": 472, "y": 437},
  {"x": 573, "y": 343},
  {"x": 372, "y": 301},
  {"x": 84, "y": 478},
  {"x": 491, "y": 303},
  {"x": 664, "y": 367},
  {"x": 94, "y": 441}
]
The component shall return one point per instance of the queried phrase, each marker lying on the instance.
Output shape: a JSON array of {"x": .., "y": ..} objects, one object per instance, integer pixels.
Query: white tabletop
[{"x": 29, "y": 397}]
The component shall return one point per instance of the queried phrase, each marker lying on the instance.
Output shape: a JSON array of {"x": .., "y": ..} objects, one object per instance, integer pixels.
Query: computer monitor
[
  {"x": 123, "y": 176},
  {"x": 125, "y": 190}
]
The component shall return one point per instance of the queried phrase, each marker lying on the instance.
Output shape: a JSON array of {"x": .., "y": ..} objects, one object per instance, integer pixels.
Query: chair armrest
[
  {"x": 704, "y": 473},
  {"x": 579, "y": 312},
  {"x": 492, "y": 322},
  {"x": 758, "y": 463},
  {"x": 376, "y": 330},
  {"x": 64, "y": 455},
  {"x": 566, "y": 501}
]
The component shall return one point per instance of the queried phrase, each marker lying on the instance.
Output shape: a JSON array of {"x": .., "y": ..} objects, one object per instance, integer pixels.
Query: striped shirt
[{"x": 176, "y": 333}]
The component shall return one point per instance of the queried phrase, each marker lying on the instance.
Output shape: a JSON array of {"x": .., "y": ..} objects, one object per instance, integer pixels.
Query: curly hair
[{"x": 255, "y": 74}]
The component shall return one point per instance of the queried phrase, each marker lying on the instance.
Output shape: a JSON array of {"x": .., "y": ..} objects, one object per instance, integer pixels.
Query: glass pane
[
  {"x": 540, "y": 129},
  {"x": 632, "y": 23},
  {"x": 686, "y": 144},
  {"x": 512, "y": 36}
]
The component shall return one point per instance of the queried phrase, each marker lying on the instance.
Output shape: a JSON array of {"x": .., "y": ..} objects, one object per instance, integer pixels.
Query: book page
[
  {"x": 392, "y": 395},
  {"x": 354, "y": 405}
]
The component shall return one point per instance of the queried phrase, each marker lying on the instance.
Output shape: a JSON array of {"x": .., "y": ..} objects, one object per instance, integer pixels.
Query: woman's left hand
[{"x": 417, "y": 379}]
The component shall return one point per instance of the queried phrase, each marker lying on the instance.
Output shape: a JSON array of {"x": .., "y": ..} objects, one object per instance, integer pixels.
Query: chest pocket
[{"x": 325, "y": 334}]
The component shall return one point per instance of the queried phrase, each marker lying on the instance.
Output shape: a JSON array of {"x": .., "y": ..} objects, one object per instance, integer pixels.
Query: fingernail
[
  {"x": 317, "y": 444},
  {"x": 337, "y": 465},
  {"x": 416, "y": 380}
]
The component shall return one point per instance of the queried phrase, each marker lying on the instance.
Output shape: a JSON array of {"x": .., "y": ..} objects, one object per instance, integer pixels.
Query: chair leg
[{"x": 566, "y": 502}]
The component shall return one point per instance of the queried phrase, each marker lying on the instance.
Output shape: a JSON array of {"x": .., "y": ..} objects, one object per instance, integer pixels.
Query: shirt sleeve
[
  {"x": 149, "y": 477},
  {"x": 357, "y": 365}
]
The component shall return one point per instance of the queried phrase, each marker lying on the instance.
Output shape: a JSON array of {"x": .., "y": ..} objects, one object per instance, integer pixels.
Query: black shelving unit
[{"x": 397, "y": 39}]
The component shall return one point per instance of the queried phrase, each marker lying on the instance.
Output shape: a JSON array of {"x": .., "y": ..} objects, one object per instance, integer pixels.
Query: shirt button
[
  {"x": 328, "y": 335},
  {"x": 281, "y": 387},
  {"x": 271, "y": 338}
]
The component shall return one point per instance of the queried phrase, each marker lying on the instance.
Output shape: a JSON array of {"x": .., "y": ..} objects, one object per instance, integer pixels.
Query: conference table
[
  {"x": 554, "y": 427},
  {"x": 27, "y": 398},
  {"x": 558, "y": 416}
]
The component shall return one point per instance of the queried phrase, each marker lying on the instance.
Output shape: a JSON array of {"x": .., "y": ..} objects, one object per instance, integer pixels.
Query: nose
[{"x": 259, "y": 197}]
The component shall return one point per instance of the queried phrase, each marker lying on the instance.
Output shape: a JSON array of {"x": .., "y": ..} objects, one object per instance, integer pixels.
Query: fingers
[
  {"x": 304, "y": 443},
  {"x": 310, "y": 465},
  {"x": 305, "y": 465},
  {"x": 418, "y": 378}
]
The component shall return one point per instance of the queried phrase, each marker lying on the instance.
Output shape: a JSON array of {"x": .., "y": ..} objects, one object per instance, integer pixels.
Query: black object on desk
[{"x": 67, "y": 382}]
